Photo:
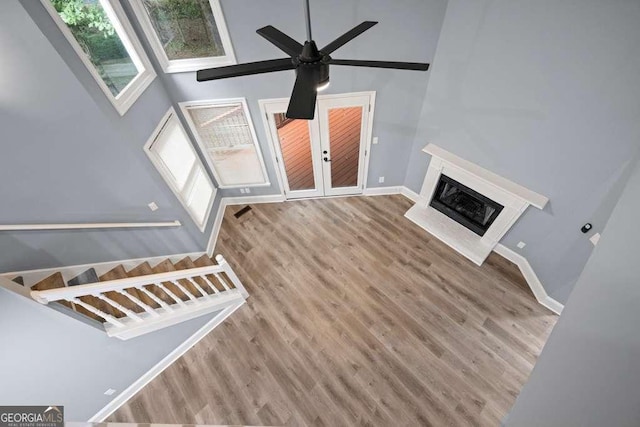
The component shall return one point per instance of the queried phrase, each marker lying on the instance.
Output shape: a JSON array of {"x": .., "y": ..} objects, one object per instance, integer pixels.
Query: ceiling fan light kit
[{"x": 310, "y": 63}]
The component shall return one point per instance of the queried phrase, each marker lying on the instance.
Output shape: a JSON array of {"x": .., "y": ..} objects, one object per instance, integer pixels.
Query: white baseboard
[
  {"x": 31, "y": 277},
  {"x": 215, "y": 231},
  {"x": 156, "y": 370},
  {"x": 251, "y": 200},
  {"x": 400, "y": 189},
  {"x": 409, "y": 194},
  {"x": 530, "y": 276},
  {"x": 381, "y": 191},
  {"x": 231, "y": 201}
]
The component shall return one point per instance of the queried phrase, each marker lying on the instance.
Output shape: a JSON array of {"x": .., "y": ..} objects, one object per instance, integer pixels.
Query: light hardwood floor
[{"x": 356, "y": 316}]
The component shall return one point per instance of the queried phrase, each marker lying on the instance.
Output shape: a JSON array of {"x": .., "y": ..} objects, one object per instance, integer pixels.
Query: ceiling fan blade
[
  {"x": 348, "y": 36},
  {"x": 417, "y": 66},
  {"x": 280, "y": 40},
  {"x": 245, "y": 69},
  {"x": 303, "y": 98}
]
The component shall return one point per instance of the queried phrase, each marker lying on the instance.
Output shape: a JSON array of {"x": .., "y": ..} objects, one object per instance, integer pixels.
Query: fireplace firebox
[{"x": 464, "y": 205}]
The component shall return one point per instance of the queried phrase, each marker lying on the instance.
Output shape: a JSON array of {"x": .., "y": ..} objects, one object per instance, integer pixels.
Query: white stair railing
[{"x": 209, "y": 298}]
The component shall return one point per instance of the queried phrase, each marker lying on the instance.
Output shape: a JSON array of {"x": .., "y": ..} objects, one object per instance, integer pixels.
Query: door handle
[{"x": 326, "y": 159}]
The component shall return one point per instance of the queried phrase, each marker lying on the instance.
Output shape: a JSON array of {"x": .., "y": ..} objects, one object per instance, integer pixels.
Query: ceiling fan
[{"x": 311, "y": 65}]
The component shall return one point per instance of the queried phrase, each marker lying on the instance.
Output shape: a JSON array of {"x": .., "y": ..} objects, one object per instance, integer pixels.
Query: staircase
[{"x": 144, "y": 299}]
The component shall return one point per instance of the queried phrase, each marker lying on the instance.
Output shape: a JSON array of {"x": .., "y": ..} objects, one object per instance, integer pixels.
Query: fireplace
[
  {"x": 467, "y": 207},
  {"x": 464, "y": 205}
]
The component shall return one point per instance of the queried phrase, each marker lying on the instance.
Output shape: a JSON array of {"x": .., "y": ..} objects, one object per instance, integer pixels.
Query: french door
[{"x": 325, "y": 156}]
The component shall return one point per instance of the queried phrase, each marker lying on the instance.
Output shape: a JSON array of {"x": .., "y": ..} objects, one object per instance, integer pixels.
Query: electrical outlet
[
  {"x": 521, "y": 245},
  {"x": 381, "y": 179},
  {"x": 375, "y": 140},
  {"x": 109, "y": 392},
  {"x": 242, "y": 190},
  {"x": 153, "y": 206},
  {"x": 247, "y": 190}
]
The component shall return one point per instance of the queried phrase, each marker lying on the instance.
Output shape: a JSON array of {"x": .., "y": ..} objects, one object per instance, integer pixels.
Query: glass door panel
[
  {"x": 345, "y": 126},
  {"x": 295, "y": 145}
]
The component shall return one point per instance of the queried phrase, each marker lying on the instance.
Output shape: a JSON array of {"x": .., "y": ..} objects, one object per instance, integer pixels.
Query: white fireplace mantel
[{"x": 512, "y": 196}]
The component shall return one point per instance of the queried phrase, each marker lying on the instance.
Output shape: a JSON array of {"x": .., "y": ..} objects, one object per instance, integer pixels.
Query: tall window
[
  {"x": 105, "y": 42},
  {"x": 224, "y": 131},
  {"x": 186, "y": 35},
  {"x": 175, "y": 158}
]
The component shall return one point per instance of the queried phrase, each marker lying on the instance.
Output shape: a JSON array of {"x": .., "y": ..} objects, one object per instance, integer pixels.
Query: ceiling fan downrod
[{"x": 307, "y": 13}]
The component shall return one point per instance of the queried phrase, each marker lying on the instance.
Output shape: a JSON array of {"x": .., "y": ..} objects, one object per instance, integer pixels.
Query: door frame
[
  {"x": 274, "y": 145},
  {"x": 276, "y": 151}
]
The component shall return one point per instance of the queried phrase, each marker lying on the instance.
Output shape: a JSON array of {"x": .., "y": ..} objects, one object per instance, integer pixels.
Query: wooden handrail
[{"x": 88, "y": 226}]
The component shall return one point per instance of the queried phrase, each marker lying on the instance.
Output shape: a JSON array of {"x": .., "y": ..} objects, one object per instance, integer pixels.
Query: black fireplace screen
[{"x": 465, "y": 206}]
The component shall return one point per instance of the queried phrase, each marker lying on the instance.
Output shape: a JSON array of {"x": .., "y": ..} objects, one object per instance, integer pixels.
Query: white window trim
[
  {"x": 184, "y": 106},
  {"x": 192, "y": 64},
  {"x": 137, "y": 86},
  {"x": 166, "y": 175}
]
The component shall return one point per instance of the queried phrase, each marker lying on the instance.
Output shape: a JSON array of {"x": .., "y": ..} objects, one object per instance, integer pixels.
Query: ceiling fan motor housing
[{"x": 313, "y": 60}]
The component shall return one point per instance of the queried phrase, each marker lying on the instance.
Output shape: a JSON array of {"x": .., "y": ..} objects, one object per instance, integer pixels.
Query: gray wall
[
  {"x": 408, "y": 31},
  {"x": 68, "y": 156},
  {"x": 546, "y": 94},
  {"x": 588, "y": 374},
  {"x": 50, "y": 358}
]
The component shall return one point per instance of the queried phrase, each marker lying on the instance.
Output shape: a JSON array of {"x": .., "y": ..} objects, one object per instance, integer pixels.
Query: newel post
[{"x": 232, "y": 275}]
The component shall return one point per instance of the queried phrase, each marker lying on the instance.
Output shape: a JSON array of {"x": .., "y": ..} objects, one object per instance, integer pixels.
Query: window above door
[
  {"x": 186, "y": 35},
  {"x": 105, "y": 42}
]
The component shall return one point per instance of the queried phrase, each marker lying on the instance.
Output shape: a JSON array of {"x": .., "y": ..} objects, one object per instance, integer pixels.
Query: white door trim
[
  {"x": 325, "y": 104},
  {"x": 275, "y": 106},
  {"x": 274, "y": 145}
]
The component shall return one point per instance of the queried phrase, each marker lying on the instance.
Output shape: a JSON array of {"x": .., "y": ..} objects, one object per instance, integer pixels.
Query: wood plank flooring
[{"x": 356, "y": 317}]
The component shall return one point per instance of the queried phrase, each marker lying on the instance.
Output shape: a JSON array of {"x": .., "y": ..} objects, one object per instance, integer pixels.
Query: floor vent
[{"x": 242, "y": 211}]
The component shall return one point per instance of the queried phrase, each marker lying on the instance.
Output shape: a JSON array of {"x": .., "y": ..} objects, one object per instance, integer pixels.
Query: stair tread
[
  {"x": 145, "y": 269},
  {"x": 117, "y": 273},
  {"x": 205, "y": 261},
  {"x": 90, "y": 276},
  {"x": 54, "y": 281},
  {"x": 185, "y": 264},
  {"x": 165, "y": 267}
]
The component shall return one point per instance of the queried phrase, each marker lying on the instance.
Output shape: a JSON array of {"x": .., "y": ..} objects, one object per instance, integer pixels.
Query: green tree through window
[{"x": 95, "y": 33}]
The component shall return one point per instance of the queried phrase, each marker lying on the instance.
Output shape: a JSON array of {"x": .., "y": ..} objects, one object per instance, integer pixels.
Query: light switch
[
  {"x": 595, "y": 239},
  {"x": 521, "y": 245},
  {"x": 375, "y": 140}
]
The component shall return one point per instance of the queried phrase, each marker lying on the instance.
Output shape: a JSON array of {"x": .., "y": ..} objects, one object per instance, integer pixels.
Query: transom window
[
  {"x": 186, "y": 35},
  {"x": 224, "y": 131},
  {"x": 100, "y": 34},
  {"x": 171, "y": 152}
]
